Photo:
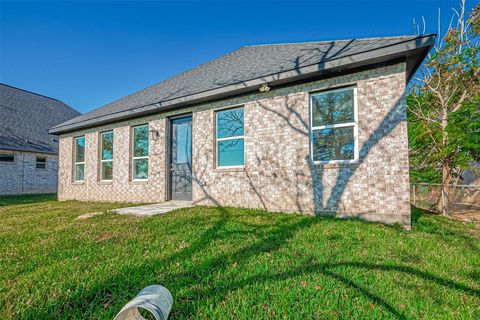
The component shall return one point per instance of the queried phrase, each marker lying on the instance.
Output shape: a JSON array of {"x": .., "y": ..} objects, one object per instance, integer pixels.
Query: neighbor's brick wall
[
  {"x": 22, "y": 176},
  {"x": 278, "y": 174}
]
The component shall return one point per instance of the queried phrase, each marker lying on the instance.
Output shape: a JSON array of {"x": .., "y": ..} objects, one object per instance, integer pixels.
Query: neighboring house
[
  {"x": 315, "y": 127},
  {"x": 471, "y": 176},
  {"x": 28, "y": 153}
]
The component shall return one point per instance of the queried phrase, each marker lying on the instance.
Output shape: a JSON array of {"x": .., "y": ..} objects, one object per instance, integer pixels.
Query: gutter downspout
[{"x": 23, "y": 173}]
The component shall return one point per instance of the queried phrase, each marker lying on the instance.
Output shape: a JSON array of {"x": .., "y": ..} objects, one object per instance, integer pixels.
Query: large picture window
[
  {"x": 106, "y": 156},
  {"x": 79, "y": 156},
  {"x": 140, "y": 153},
  {"x": 334, "y": 126},
  {"x": 230, "y": 138}
]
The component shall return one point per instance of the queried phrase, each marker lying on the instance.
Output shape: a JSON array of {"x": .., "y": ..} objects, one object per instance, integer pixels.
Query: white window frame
[
  {"x": 101, "y": 155},
  {"x": 217, "y": 139},
  {"x": 142, "y": 157},
  {"x": 353, "y": 124},
  {"x": 75, "y": 159},
  {"x": 37, "y": 162}
]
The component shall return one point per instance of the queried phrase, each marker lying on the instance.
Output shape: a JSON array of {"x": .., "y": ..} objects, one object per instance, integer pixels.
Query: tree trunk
[{"x": 442, "y": 203}]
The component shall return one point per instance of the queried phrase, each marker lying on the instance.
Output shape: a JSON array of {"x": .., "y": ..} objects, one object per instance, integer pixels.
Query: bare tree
[{"x": 446, "y": 83}]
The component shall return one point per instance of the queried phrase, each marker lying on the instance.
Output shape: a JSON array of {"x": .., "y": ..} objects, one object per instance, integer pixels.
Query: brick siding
[
  {"x": 278, "y": 174},
  {"x": 22, "y": 176}
]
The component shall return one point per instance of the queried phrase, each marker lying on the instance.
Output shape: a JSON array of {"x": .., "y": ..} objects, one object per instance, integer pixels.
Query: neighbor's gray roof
[
  {"x": 247, "y": 68},
  {"x": 27, "y": 116}
]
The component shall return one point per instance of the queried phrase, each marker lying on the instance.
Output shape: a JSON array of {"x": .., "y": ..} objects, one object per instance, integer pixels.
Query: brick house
[
  {"x": 316, "y": 127},
  {"x": 28, "y": 153}
]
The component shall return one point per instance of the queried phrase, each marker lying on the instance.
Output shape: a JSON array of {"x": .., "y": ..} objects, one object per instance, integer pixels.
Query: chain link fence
[{"x": 459, "y": 198}]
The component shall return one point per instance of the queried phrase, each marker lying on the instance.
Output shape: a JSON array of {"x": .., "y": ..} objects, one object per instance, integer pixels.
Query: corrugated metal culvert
[{"x": 155, "y": 299}]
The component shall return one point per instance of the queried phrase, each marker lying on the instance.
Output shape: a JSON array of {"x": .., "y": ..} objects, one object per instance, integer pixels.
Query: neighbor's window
[
  {"x": 41, "y": 162},
  {"x": 230, "y": 138},
  {"x": 79, "y": 157},
  {"x": 106, "y": 156},
  {"x": 334, "y": 126},
  {"x": 7, "y": 158},
  {"x": 140, "y": 153}
]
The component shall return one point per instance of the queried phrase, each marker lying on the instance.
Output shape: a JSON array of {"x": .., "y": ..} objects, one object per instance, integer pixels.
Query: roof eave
[
  {"x": 31, "y": 150},
  {"x": 413, "y": 51}
]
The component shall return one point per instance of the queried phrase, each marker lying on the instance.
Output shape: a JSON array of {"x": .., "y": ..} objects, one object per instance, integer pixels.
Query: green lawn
[{"x": 232, "y": 263}]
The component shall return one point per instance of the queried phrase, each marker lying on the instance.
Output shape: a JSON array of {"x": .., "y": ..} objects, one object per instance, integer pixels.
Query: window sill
[
  {"x": 231, "y": 169},
  {"x": 78, "y": 183},
  {"x": 105, "y": 182},
  {"x": 139, "y": 182},
  {"x": 333, "y": 165}
]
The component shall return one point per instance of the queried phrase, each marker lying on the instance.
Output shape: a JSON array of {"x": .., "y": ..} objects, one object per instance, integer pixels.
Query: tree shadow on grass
[
  {"x": 444, "y": 229},
  {"x": 187, "y": 280}
]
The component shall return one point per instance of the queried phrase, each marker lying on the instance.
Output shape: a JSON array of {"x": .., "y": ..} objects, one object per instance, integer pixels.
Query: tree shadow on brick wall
[
  {"x": 326, "y": 198},
  {"x": 330, "y": 203}
]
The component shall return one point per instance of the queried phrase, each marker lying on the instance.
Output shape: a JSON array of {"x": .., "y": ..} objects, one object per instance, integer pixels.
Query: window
[
  {"x": 106, "y": 156},
  {"x": 140, "y": 153},
  {"x": 9, "y": 158},
  {"x": 230, "y": 138},
  {"x": 334, "y": 126},
  {"x": 79, "y": 157},
  {"x": 41, "y": 162}
]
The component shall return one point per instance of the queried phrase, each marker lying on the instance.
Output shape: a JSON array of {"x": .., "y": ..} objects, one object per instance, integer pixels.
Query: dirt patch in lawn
[
  {"x": 467, "y": 217},
  {"x": 89, "y": 215}
]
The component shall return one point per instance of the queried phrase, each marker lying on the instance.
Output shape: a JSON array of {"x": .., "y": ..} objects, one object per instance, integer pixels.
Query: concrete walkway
[{"x": 153, "y": 209}]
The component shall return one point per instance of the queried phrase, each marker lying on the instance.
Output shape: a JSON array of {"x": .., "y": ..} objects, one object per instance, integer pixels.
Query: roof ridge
[
  {"x": 41, "y": 95},
  {"x": 326, "y": 41},
  {"x": 31, "y": 92},
  {"x": 224, "y": 79}
]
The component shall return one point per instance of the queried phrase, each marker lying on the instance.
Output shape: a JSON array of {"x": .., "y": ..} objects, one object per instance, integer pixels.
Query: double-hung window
[
  {"x": 41, "y": 162},
  {"x": 334, "y": 131},
  {"x": 230, "y": 138},
  {"x": 79, "y": 157},
  {"x": 140, "y": 153},
  {"x": 106, "y": 156}
]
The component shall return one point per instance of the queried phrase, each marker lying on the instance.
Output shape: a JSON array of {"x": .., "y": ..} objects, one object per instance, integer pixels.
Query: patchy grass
[{"x": 233, "y": 263}]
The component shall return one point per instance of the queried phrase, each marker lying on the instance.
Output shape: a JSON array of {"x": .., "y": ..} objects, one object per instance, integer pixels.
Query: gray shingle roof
[
  {"x": 27, "y": 116},
  {"x": 238, "y": 70}
]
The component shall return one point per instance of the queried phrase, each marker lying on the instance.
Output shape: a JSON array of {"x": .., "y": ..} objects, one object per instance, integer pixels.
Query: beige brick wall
[
  {"x": 121, "y": 188},
  {"x": 278, "y": 173},
  {"x": 22, "y": 176}
]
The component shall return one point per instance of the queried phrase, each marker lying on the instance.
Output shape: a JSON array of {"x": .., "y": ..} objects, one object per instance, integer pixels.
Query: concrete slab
[{"x": 153, "y": 209}]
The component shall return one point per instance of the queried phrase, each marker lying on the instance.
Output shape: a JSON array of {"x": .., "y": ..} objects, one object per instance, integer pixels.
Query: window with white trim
[
  {"x": 106, "y": 156},
  {"x": 140, "y": 152},
  {"x": 230, "y": 138},
  {"x": 334, "y": 129},
  {"x": 79, "y": 158},
  {"x": 41, "y": 162}
]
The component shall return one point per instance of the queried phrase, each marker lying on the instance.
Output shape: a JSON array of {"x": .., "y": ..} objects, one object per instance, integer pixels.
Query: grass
[{"x": 224, "y": 263}]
